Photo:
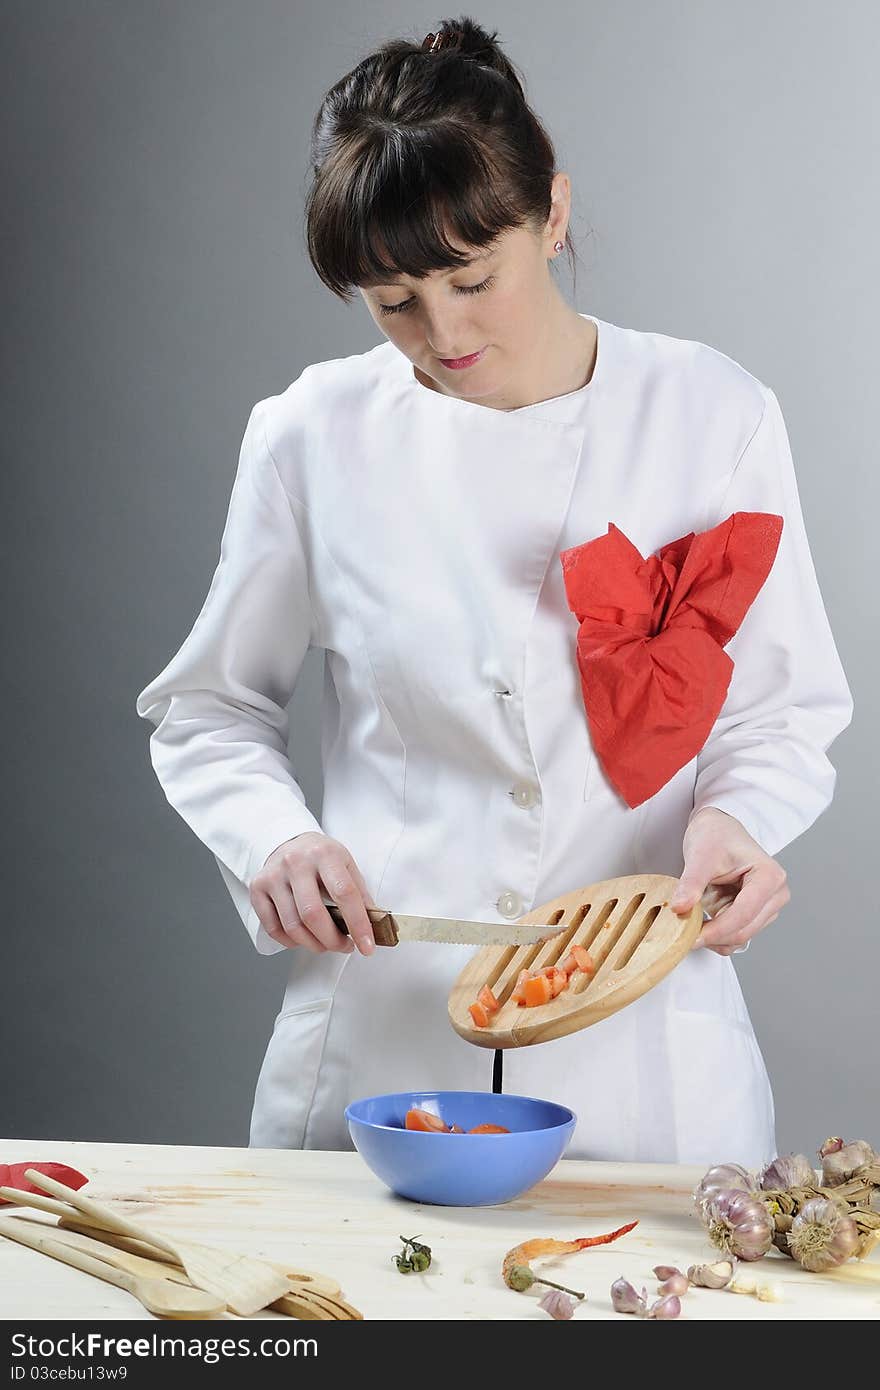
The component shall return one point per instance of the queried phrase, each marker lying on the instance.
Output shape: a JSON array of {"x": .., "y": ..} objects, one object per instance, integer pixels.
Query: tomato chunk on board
[{"x": 488, "y": 1000}]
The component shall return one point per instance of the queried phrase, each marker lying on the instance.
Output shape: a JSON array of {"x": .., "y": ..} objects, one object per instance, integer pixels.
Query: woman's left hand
[{"x": 742, "y": 888}]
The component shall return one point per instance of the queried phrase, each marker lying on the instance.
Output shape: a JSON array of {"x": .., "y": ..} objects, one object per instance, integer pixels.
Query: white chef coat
[{"x": 415, "y": 538}]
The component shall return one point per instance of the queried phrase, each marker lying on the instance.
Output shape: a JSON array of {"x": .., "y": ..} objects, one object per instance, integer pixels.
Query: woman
[{"x": 416, "y": 511}]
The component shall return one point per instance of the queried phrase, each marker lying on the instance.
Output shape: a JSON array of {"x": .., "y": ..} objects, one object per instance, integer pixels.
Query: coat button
[
  {"x": 510, "y": 904},
  {"x": 525, "y": 794}
]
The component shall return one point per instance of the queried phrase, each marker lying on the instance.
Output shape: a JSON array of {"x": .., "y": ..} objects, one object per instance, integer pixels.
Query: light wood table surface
[{"x": 328, "y": 1213}]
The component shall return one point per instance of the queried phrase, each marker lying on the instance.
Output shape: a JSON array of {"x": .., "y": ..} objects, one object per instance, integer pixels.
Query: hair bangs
[{"x": 405, "y": 202}]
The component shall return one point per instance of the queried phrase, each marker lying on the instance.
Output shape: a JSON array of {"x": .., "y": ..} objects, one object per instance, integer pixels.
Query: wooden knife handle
[{"x": 384, "y": 930}]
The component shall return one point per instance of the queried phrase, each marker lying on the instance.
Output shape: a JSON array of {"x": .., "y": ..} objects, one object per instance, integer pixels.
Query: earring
[{"x": 558, "y": 246}]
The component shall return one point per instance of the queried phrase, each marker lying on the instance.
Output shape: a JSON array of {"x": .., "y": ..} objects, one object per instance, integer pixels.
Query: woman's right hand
[{"x": 288, "y": 890}]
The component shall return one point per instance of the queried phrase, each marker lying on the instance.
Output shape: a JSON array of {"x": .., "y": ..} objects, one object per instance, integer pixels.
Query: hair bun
[{"x": 468, "y": 39}]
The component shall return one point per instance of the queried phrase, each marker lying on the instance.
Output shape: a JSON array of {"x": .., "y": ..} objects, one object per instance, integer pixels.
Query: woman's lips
[{"x": 456, "y": 363}]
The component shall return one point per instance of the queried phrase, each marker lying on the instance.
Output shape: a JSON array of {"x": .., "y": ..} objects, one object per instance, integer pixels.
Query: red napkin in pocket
[{"x": 650, "y": 646}]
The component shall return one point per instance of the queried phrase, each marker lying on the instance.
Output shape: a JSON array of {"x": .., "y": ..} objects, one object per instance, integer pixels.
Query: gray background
[{"x": 723, "y": 159}]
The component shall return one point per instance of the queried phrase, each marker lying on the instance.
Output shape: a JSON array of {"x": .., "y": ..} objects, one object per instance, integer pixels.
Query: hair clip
[{"x": 444, "y": 38}]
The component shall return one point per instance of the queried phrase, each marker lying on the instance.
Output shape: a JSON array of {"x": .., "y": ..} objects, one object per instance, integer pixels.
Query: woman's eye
[
  {"x": 476, "y": 289},
  {"x": 459, "y": 289}
]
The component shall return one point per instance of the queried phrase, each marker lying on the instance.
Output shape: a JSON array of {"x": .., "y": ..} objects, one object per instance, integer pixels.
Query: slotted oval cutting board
[{"x": 632, "y": 935}]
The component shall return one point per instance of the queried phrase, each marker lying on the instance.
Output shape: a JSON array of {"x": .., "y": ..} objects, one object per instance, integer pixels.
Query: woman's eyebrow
[{"x": 390, "y": 284}]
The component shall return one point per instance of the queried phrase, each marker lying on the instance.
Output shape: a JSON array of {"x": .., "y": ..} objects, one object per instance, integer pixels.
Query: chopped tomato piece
[
  {"x": 537, "y": 990},
  {"x": 569, "y": 965},
  {"x": 558, "y": 982},
  {"x": 488, "y": 1129},
  {"x": 424, "y": 1120},
  {"x": 479, "y": 1013},
  {"x": 584, "y": 960},
  {"x": 517, "y": 994},
  {"x": 488, "y": 1000}
]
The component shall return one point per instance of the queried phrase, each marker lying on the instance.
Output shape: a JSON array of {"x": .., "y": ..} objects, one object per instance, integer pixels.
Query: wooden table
[{"x": 327, "y": 1212}]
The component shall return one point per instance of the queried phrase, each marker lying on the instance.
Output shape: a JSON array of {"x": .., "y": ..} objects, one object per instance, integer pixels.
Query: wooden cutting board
[{"x": 632, "y": 935}]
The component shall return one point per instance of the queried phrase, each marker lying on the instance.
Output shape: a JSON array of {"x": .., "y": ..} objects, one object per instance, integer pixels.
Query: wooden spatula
[
  {"x": 162, "y": 1297},
  {"x": 244, "y": 1284},
  {"x": 632, "y": 935},
  {"x": 309, "y": 1295}
]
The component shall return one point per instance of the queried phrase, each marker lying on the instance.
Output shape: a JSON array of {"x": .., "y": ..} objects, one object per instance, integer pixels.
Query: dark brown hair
[{"x": 413, "y": 147}]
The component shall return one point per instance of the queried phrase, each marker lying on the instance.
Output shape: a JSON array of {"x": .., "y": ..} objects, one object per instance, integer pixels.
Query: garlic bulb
[
  {"x": 840, "y": 1162},
  {"x": 739, "y": 1224},
  {"x": 822, "y": 1235},
  {"x": 790, "y": 1170},
  {"x": 711, "y": 1276},
  {"x": 724, "y": 1177}
]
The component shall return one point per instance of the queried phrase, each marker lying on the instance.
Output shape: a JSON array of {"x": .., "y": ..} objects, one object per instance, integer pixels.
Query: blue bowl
[{"x": 460, "y": 1170}]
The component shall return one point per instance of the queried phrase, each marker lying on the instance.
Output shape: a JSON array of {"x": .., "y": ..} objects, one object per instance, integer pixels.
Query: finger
[
  {"x": 274, "y": 927},
  {"x": 692, "y": 884},
  {"x": 307, "y": 894},
  {"x": 359, "y": 880},
  {"x": 717, "y": 896},
  {"x": 738, "y": 923},
  {"x": 293, "y": 925},
  {"x": 744, "y": 939},
  {"x": 348, "y": 898}
]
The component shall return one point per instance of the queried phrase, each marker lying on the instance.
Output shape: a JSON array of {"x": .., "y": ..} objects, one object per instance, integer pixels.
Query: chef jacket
[{"x": 414, "y": 537}]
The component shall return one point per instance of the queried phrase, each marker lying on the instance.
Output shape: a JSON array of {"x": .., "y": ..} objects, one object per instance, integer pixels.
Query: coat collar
[{"x": 558, "y": 411}]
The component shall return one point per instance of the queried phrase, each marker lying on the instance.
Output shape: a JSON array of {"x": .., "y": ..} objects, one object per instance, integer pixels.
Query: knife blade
[{"x": 391, "y": 927}]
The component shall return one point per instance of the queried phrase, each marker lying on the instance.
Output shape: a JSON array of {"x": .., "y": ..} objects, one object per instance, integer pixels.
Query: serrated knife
[{"x": 391, "y": 927}]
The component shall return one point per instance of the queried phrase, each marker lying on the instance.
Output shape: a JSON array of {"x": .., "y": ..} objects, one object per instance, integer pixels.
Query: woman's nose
[{"x": 442, "y": 333}]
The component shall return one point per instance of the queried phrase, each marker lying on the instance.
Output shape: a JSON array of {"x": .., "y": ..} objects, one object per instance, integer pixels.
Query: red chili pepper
[
  {"x": 13, "y": 1175},
  {"x": 517, "y": 1260}
]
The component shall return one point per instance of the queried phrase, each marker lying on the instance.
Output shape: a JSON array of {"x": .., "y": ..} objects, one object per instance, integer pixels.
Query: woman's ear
[{"x": 560, "y": 209}]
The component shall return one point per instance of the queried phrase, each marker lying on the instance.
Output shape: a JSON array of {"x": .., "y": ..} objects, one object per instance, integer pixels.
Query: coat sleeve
[
  {"x": 219, "y": 748},
  {"x": 766, "y": 760}
]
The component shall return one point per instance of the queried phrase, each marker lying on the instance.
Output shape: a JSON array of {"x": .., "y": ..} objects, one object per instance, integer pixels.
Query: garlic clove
[
  {"x": 557, "y": 1304},
  {"x": 625, "y": 1299},
  {"x": 743, "y": 1283},
  {"x": 770, "y": 1293},
  {"x": 666, "y": 1308},
  {"x": 677, "y": 1283},
  {"x": 665, "y": 1271},
  {"x": 711, "y": 1276}
]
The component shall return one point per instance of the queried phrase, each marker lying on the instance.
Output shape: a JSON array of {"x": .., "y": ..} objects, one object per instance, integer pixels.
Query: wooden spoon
[
  {"x": 307, "y": 1292},
  {"x": 159, "y": 1296},
  {"x": 302, "y": 1301},
  {"x": 244, "y": 1284}
]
